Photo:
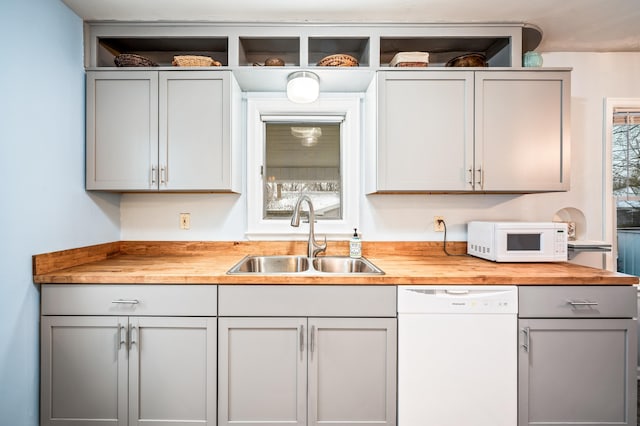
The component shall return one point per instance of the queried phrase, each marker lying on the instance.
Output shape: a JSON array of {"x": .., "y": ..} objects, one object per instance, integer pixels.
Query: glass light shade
[{"x": 303, "y": 87}]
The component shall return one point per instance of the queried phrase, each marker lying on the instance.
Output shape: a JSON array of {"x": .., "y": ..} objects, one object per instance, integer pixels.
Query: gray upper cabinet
[
  {"x": 166, "y": 130},
  {"x": 122, "y": 130},
  {"x": 463, "y": 131},
  {"x": 522, "y": 131},
  {"x": 425, "y": 131}
]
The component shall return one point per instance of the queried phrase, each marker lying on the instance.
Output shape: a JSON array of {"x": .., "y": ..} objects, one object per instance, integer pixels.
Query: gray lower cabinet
[
  {"x": 117, "y": 369},
  {"x": 300, "y": 370},
  {"x": 577, "y": 354}
]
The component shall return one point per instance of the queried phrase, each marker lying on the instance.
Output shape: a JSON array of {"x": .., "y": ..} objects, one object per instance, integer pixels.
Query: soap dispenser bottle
[{"x": 355, "y": 245}]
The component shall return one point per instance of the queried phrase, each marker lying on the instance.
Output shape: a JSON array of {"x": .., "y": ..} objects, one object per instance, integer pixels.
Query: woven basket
[
  {"x": 338, "y": 60},
  {"x": 194, "y": 61},
  {"x": 133, "y": 60}
]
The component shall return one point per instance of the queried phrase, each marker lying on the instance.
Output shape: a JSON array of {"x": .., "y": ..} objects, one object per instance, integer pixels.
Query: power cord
[{"x": 444, "y": 241}]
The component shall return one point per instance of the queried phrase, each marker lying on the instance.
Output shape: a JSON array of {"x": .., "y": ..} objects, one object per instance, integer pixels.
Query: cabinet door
[
  {"x": 195, "y": 131},
  {"x": 172, "y": 371},
  {"x": 577, "y": 371},
  {"x": 425, "y": 131},
  {"x": 83, "y": 371},
  {"x": 262, "y": 371},
  {"x": 352, "y": 371},
  {"x": 522, "y": 131},
  {"x": 122, "y": 130}
]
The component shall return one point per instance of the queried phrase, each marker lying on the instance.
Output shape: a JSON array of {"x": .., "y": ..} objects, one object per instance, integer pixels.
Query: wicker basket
[
  {"x": 338, "y": 60},
  {"x": 133, "y": 60},
  {"x": 194, "y": 61}
]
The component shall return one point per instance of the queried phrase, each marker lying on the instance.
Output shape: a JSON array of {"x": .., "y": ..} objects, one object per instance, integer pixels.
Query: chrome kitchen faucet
[{"x": 313, "y": 247}]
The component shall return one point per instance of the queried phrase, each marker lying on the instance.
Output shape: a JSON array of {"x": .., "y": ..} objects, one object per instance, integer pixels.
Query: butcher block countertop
[{"x": 140, "y": 262}]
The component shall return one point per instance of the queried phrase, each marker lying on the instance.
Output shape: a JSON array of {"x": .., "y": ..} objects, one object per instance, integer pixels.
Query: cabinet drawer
[
  {"x": 313, "y": 300},
  {"x": 577, "y": 302},
  {"x": 161, "y": 300}
]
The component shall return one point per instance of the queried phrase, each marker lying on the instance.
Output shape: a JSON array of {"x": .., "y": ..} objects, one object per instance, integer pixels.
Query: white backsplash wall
[
  {"x": 155, "y": 217},
  {"x": 410, "y": 217}
]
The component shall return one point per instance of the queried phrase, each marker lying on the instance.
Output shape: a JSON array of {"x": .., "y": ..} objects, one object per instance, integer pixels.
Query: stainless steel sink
[
  {"x": 257, "y": 265},
  {"x": 345, "y": 265},
  {"x": 270, "y": 265}
]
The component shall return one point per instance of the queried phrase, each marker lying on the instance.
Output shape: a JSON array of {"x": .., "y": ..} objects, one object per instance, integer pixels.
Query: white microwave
[{"x": 518, "y": 241}]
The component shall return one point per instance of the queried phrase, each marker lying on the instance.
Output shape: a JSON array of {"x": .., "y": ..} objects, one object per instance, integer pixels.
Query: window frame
[{"x": 261, "y": 106}]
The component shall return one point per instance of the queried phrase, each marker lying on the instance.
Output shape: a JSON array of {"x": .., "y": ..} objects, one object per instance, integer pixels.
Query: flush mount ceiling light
[
  {"x": 308, "y": 135},
  {"x": 303, "y": 87}
]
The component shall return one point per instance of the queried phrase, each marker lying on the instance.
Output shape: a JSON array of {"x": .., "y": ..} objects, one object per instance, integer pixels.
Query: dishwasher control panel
[{"x": 458, "y": 299}]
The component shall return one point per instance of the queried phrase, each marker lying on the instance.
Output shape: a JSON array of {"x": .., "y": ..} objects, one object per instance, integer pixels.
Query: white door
[
  {"x": 83, "y": 371},
  {"x": 172, "y": 371}
]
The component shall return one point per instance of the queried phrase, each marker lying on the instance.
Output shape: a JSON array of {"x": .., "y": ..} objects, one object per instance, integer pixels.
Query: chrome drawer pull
[
  {"x": 574, "y": 303},
  {"x": 126, "y": 302}
]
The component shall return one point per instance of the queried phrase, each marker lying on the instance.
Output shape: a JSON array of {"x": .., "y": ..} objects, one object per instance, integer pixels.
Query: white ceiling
[{"x": 567, "y": 25}]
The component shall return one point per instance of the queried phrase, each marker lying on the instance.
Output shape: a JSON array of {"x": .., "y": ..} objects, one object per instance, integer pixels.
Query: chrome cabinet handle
[
  {"x": 526, "y": 343},
  {"x": 126, "y": 301},
  {"x": 301, "y": 339},
  {"x": 132, "y": 338},
  {"x": 480, "y": 177},
  {"x": 470, "y": 181},
  {"x": 312, "y": 339},
  {"x": 123, "y": 335},
  {"x": 581, "y": 303},
  {"x": 154, "y": 174},
  {"x": 164, "y": 175}
]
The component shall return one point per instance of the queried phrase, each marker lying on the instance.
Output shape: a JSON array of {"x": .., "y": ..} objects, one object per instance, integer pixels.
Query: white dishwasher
[{"x": 457, "y": 355}]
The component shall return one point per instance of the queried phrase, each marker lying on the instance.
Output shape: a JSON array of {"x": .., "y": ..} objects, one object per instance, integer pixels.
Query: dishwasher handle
[{"x": 457, "y": 292}]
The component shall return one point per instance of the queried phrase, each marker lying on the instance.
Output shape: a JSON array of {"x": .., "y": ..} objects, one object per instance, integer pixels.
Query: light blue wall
[{"x": 43, "y": 205}]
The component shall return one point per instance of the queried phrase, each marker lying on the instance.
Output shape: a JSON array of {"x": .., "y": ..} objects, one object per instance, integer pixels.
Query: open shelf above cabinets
[
  {"x": 255, "y": 51},
  {"x": 356, "y": 47},
  {"x": 161, "y": 50},
  {"x": 248, "y": 46},
  {"x": 442, "y": 49}
]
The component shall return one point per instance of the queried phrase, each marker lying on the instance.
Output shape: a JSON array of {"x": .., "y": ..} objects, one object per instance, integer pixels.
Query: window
[
  {"x": 623, "y": 182},
  {"x": 625, "y": 158},
  {"x": 295, "y": 149},
  {"x": 302, "y": 157}
]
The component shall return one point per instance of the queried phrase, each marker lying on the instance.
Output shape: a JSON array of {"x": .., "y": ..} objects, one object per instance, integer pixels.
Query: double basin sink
[{"x": 258, "y": 265}]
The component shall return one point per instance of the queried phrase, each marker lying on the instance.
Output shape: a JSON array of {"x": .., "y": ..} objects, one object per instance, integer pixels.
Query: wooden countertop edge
[{"x": 405, "y": 263}]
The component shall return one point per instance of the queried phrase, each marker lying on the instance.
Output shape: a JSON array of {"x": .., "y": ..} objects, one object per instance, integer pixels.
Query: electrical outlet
[
  {"x": 185, "y": 220},
  {"x": 438, "y": 223}
]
